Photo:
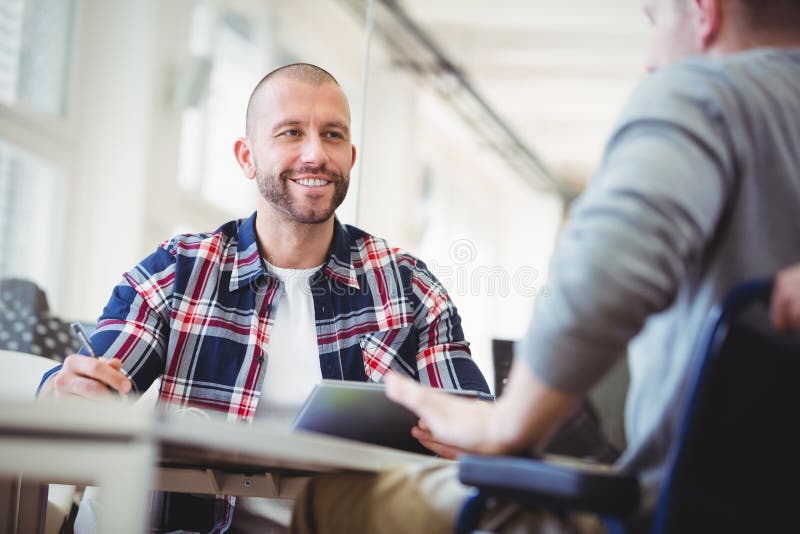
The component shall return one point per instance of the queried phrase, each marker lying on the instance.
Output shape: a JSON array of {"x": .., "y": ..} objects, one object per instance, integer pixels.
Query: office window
[
  {"x": 34, "y": 47},
  {"x": 35, "y": 43},
  {"x": 226, "y": 62},
  {"x": 30, "y": 208}
]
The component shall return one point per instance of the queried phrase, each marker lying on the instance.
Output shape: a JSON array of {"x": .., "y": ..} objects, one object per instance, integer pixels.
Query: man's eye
[
  {"x": 338, "y": 135},
  {"x": 291, "y": 133}
]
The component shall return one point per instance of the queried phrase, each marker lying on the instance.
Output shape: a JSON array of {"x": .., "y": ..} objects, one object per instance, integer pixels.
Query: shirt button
[{"x": 261, "y": 360}]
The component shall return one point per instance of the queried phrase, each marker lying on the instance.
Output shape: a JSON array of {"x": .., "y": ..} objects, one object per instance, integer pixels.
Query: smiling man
[
  {"x": 298, "y": 147},
  {"x": 699, "y": 190},
  {"x": 245, "y": 320}
]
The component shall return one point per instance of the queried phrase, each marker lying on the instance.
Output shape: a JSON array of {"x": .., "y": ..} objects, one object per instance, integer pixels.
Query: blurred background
[{"x": 480, "y": 122}]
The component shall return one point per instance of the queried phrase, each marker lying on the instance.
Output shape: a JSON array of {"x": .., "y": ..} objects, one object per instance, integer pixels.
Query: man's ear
[
  {"x": 244, "y": 157},
  {"x": 709, "y": 19},
  {"x": 353, "y": 158}
]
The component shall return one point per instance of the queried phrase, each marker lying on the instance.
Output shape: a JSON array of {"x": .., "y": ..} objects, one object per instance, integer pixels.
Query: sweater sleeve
[{"x": 645, "y": 220}]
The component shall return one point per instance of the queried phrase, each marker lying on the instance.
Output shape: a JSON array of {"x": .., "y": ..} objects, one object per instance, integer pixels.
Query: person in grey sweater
[{"x": 699, "y": 189}]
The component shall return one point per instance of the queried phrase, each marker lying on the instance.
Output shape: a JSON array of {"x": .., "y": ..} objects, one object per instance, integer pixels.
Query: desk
[{"x": 127, "y": 450}]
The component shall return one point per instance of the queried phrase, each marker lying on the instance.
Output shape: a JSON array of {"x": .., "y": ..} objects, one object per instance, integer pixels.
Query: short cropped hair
[
  {"x": 766, "y": 15},
  {"x": 301, "y": 72}
]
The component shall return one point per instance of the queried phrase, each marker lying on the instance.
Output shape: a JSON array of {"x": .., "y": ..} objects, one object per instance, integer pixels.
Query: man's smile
[{"x": 312, "y": 182}]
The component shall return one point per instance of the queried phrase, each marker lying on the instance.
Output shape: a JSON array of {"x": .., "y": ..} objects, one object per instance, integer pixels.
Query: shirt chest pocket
[{"x": 389, "y": 349}]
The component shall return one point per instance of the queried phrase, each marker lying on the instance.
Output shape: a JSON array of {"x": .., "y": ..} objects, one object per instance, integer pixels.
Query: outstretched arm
[{"x": 528, "y": 412}]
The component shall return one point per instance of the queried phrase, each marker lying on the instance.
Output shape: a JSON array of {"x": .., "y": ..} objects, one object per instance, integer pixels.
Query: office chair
[
  {"x": 733, "y": 458},
  {"x": 502, "y": 358},
  {"x": 27, "y": 325}
]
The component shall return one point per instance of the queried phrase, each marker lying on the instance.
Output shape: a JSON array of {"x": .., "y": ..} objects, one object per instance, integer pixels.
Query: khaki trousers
[{"x": 409, "y": 500}]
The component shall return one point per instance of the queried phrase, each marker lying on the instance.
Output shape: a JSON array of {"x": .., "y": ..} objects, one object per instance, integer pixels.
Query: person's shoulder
[
  {"x": 197, "y": 243},
  {"x": 698, "y": 96},
  {"x": 703, "y": 87},
  {"x": 373, "y": 255},
  {"x": 677, "y": 92},
  {"x": 373, "y": 249},
  {"x": 758, "y": 61},
  {"x": 167, "y": 264}
]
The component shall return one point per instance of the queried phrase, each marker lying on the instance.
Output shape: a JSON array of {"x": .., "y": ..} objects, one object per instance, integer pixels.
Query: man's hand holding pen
[{"x": 90, "y": 377}]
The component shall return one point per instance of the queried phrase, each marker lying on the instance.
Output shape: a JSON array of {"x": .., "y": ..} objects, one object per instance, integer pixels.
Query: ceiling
[{"x": 556, "y": 72}]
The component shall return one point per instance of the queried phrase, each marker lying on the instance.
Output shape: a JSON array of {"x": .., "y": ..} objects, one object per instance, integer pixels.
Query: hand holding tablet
[{"x": 361, "y": 411}]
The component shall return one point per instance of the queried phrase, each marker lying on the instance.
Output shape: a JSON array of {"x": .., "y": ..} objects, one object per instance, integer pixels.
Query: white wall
[{"x": 105, "y": 204}]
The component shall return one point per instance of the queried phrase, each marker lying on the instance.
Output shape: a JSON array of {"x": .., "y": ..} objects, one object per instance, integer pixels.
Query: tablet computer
[{"x": 361, "y": 411}]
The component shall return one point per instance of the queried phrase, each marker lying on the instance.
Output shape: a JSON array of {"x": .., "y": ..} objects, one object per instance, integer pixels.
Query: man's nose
[{"x": 313, "y": 150}]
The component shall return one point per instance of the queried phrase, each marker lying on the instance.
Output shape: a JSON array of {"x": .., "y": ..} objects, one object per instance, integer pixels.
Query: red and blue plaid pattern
[{"x": 198, "y": 313}]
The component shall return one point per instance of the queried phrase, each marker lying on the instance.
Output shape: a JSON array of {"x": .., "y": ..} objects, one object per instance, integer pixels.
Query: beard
[{"x": 275, "y": 190}]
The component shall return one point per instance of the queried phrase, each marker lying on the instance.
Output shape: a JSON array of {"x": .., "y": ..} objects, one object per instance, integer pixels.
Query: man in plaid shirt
[{"x": 216, "y": 314}]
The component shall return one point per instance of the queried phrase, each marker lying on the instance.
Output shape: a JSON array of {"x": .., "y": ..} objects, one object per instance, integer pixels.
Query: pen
[{"x": 80, "y": 333}]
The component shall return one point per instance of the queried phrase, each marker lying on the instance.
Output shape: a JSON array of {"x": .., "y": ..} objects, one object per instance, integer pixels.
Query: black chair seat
[{"x": 553, "y": 482}]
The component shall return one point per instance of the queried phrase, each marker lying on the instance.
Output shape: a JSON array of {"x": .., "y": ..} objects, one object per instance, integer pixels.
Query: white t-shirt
[
  {"x": 292, "y": 354},
  {"x": 292, "y": 371}
]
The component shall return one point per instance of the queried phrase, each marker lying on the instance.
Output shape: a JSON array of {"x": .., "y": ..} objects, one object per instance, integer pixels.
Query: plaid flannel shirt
[{"x": 198, "y": 313}]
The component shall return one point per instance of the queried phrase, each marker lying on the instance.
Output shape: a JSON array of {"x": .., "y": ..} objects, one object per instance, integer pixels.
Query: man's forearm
[{"x": 528, "y": 412}]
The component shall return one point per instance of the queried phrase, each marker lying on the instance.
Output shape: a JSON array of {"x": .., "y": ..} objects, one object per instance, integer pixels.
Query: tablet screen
[{"x": 361, "y": 411}]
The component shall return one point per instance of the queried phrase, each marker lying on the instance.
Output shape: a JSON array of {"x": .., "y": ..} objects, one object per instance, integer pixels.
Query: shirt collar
[
  {"x": 248, "y": 267},
  {"x": 339, "y": 266}
]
